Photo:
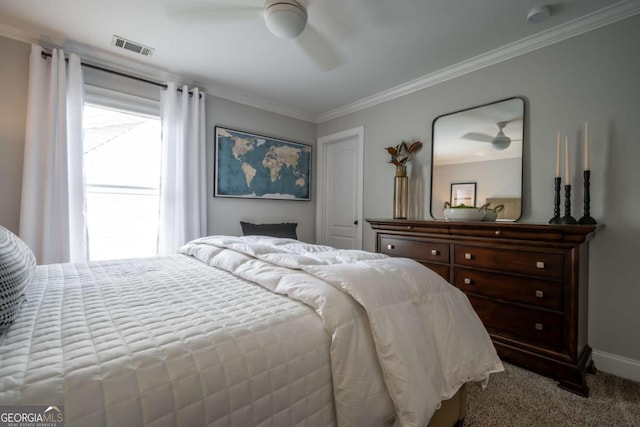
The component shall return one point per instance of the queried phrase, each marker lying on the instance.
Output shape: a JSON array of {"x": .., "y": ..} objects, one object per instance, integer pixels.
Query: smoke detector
[{"x": 538, "y": 14}]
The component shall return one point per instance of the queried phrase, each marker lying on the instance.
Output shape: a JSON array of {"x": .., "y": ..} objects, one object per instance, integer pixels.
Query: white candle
[
  {"x": 586, "y": 146},
  {"x": 558, "y": 155},
  {"x": 566, "y": 160}
]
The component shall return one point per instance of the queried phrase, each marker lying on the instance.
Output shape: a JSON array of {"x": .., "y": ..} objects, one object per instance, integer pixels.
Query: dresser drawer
[
  {"x": 527, "y": 325},
  {"x": 527, "y": 282},
  {"x": 514, "y": 261},
  {"x": 441, "y": 269},
  {"x": 538, "y": 292},
  {"x": 420, "y": 250}
]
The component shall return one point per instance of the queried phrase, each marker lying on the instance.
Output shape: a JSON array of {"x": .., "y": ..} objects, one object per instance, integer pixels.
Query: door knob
[{"x": 355, "y": 222}]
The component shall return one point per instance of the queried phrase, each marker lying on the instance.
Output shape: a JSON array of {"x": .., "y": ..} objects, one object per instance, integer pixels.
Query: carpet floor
[{"x": 517, "y": 397}]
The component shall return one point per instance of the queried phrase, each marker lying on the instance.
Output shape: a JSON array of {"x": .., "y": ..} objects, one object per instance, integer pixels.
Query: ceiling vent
[{"x": 129, "y": 45}]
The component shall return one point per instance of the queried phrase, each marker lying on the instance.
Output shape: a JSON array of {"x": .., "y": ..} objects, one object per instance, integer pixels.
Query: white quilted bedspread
[
  {"x": 165, "y": 342},
  {"x": 402, "y": 338},
  {"x": 360, "y": 339}
]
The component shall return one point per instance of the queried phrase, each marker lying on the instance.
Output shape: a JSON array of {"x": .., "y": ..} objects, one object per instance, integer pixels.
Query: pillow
[
  {"x": 17, "y": 267},
  {"x": 286, "y": 229}
]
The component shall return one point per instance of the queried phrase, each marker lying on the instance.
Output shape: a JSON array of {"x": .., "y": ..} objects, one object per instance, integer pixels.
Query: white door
[{"x": 340, "y": 182}]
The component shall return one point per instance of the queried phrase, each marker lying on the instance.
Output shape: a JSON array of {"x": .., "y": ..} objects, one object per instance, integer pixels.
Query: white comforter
[
  {"x": 165, "y": 341},
  {"x": 403, "y": 341}
]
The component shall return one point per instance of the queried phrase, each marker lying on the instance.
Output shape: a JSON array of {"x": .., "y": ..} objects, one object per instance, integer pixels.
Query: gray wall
[
  {"x": 591, "y": 77},
  {"x": 14, "y": 77},
  {"x": 223, "y": 214}
]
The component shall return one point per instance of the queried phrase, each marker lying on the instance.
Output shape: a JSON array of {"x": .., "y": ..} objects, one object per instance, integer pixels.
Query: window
[{"x": 122, "y": 154}]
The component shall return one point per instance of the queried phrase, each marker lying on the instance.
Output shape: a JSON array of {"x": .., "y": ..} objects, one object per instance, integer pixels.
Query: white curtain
[
  {"x": 52, "y": 211},
  {"x": 183, "y": 200}
]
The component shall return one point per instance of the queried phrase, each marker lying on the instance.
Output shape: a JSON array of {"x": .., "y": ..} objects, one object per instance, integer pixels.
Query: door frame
[{"x": 322, "y": 144}]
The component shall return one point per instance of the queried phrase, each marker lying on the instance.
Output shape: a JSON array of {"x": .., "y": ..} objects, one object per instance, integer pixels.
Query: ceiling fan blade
[
  {"x": 316, "y": 46},
  {"x": 208, "y": 11},
  {"x": 475, "y": 136},
  {"x": 337, "y": 16}
]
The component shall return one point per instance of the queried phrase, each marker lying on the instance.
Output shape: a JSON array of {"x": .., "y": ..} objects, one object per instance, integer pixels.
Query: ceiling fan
[
  {"x": 500, "y": 141},
  {"x": 286, "y": 19}
]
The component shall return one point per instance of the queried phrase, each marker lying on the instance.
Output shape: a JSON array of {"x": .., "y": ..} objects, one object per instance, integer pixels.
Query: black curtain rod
[{"x": 117, "y": 73}]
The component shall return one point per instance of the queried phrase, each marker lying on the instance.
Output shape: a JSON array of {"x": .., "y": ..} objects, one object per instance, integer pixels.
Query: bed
[{"x": 244, "y": 331}]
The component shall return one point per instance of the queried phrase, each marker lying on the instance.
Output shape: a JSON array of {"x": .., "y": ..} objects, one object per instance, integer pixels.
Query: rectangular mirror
[{"x": 482, "y": 145}]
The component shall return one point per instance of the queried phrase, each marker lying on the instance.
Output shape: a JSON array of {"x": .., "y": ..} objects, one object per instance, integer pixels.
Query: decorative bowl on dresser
[{"x": 527, "y": 282}]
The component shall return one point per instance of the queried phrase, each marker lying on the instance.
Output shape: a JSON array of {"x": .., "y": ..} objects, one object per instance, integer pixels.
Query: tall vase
[{"x": 401, "y": 195}]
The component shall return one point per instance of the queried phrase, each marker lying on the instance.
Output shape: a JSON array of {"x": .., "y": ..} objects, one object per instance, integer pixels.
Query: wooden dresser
[{"x": 527, "y": 282}]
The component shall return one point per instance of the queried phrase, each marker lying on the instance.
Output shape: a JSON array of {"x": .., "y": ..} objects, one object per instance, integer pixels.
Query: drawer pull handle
[
  {"x": 539, "y": 326},
  {"x": 434, "y": 252},
  {"x": 539, "y": 294},
  {"x": 497, "y": 232},
  {"x": 540, "y": 264},
  {"x": 467, "y": 281},
  {"x": 467, "y": 256},
  {"x": 390, "y": 247}
]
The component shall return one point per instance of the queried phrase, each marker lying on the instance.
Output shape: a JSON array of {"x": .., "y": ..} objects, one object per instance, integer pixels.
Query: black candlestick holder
[
  {"x": 586, "y": 218},
  {"x": 556, "y": 202},
  {"x": 567, "y": 218}
]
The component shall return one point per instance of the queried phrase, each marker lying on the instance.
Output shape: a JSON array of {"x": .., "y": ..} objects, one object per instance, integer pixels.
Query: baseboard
[{"x": 617, "y": 365}]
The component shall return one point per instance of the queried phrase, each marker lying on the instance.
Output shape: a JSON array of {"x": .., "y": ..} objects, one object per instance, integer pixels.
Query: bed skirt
[{"x": 452, "y": 411}]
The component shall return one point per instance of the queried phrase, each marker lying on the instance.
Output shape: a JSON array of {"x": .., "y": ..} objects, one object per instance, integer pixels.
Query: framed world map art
[{"x": 254, "y": 166}]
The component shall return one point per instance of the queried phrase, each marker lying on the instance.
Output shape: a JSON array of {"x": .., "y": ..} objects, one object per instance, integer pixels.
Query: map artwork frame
[{"x": 251, "y": 166}]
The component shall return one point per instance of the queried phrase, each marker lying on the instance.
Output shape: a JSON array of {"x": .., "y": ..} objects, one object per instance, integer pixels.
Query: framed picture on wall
[
  {"x": 248, "y": 165},
  {"x": 463, "y": 193}
]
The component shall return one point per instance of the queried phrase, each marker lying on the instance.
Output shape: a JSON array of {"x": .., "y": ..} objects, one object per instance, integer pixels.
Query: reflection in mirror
[{"x": 481, "y": 145}]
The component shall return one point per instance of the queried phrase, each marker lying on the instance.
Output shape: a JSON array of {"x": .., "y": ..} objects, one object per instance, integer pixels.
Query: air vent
[{"x": 129, "y": 45}]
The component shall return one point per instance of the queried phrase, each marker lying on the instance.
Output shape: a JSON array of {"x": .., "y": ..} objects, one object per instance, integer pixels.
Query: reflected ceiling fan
[
  {"x": 285, "y": 19},
  {"x": 499, "y": 141}
]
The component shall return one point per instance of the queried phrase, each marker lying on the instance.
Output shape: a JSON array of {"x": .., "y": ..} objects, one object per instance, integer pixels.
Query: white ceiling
[{"x": 386, "y": 47}]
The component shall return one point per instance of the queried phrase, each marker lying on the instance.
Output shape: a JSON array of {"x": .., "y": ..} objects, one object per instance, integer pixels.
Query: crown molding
[
  {"x": 548, "y": 37},
  {"x": 254, "y": 101},
  {"x": 18, "y": 34},
  {"x": 140, "y": 69},
  {"x": 120, "y": 63},
  {"x": 93, "y": 56},
  {"x": 545, "y": 38}
]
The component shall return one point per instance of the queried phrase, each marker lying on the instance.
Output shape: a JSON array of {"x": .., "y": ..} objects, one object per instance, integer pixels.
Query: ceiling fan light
[
  {"x": 501, "y": 142},
  {"x": 285, "y": 20}
]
